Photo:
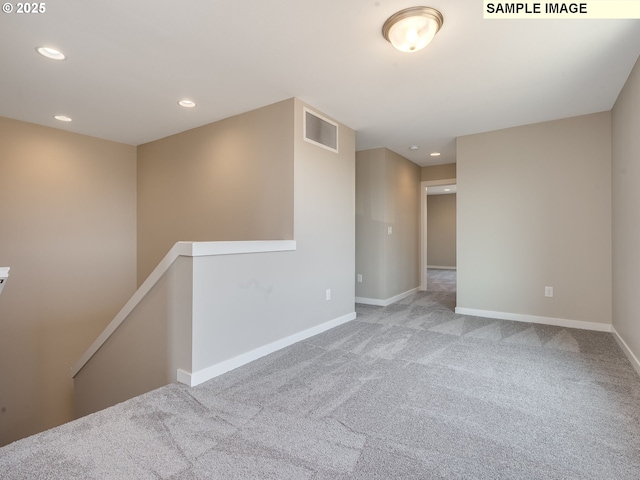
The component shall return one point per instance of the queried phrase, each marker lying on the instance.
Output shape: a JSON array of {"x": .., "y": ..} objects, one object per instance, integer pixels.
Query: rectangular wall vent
[{"x": 320, "y": 131}]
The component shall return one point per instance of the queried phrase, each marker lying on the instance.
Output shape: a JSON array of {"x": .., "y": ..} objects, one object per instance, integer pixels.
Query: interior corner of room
[{"x": 265, "y": 236}]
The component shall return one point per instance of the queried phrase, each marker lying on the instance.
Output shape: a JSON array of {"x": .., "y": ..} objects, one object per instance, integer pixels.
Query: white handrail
[{"x": 186, "y": 249}]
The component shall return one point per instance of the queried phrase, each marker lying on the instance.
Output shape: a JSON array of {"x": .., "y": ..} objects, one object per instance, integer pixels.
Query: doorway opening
[{"x": 438, "y": 235}]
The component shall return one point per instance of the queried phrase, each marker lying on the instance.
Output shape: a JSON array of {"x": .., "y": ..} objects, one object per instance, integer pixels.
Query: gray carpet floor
[
  {"x": 440, "y": 279},
  {"x": 409, "y": 391}
]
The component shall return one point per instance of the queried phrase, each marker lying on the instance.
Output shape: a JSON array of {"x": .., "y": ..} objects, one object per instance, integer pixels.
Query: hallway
[{"x": 441, "y": 280}]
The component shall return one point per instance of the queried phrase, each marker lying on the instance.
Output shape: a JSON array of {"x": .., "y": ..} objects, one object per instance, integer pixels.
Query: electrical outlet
[
  {"x": 389, "y": 230},
  {"x": 359, "y": 278},
  {"x": 328, "y": 294},
  {"x": 548, "y": 291}
]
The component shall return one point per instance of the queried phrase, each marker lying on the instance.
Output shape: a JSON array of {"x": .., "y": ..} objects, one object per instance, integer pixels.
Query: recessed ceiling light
[
  {"x": 187, "y": 103},
  {"x": 51, "y": 53},
  {"x": 447, "y": 189},
  {"x": 414, "y": 147},
  {"x": 435, "y": 154},
  {"x": 62, "y": 118}
]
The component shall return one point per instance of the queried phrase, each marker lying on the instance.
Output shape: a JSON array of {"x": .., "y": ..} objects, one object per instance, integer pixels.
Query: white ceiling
[{"x": 129, "y": 62}]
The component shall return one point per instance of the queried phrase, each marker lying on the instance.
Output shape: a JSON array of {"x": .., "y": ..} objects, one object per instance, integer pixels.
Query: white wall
[
  {"x": 626, "y": 213},
  {"x": 534, "y": 210}
]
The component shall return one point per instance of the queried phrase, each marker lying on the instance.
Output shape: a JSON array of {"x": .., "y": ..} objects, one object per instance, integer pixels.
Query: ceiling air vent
[{"x": 320, "y": 131}]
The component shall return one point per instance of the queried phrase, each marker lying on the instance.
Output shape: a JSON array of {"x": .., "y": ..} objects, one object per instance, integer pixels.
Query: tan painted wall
[
  {"x": 324, "y": 222},
  {"x": 229, "y": 180},
  {"x": 241, "y": 302},
  {"x": 68, "y": 232},
  {"x": 438, "y": 172},
  {"x": 534, "y": 210},
  {"x": 388, "y": 195},
  {"x": 626, "y": 211},
  {"x": 441, "y": 230},
  {"x": 245, "y": 302},
  {"x": 146, "y": 350},
  {"x": 403, "y": 214},
  {"x": 371, "y": 227}
]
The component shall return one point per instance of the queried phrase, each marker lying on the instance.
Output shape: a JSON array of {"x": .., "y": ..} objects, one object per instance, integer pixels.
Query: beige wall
[
  {"x": 146, "y": 350},
  {"x": 324, "y": 222},
  {"x": 229, "y": 180},
  {"x": 387, "y": 195},
  {"x": 626, "y": 212},
  {"x": 441, "y": 230},
  {"x": 240, "y": 303},
  {"x": 438, "y": 172},
  {"x": 284, "y": 293},
  {"x": 235, "y": 304},
  {"x": 371, "y": 228},
  {"x": 534, "y": 210},
  {"x": 68, "y": 232}
]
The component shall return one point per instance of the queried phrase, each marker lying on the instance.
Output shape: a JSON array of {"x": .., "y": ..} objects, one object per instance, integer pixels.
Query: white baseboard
[
  {"x": 201, "y": 376},
  {"x": 518, "y": 317},
  {"x": 384, "y": 303},
  {"x": 635, "y": 363},
  {"x": 437, "y": 267}
]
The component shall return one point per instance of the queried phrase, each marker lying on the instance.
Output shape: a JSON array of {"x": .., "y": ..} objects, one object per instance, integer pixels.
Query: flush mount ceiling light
[
  {"x": 51, "y": 53},
  {"x": 412, "y": 29},
  {"x": 435, "y": 154},
  {"x": 62, "y": 118},
  {"x": 187, "y": 103},
  {"x": 414, "y": 147}
]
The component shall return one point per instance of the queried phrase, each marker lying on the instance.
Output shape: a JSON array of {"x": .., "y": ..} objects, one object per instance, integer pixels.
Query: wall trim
[
  {"x": 519, "y": 317},
  {"x": 204, "y": 249},
  {"x": 439, "y": 267},
  {"x": 385, "y": 303},
  {"x": 186, "y": 249},
  {"x": 201, "y": 376},
  {"x": 635, "y": 363}
]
